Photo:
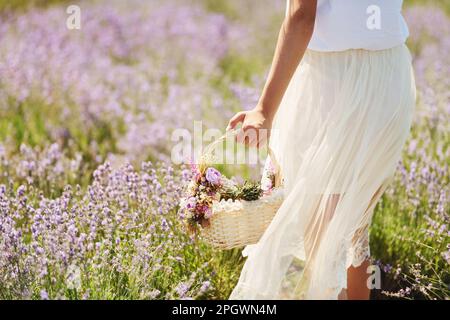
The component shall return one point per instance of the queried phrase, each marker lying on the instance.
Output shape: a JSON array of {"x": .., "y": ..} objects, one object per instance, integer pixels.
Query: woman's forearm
[{"x": 293, "y": 39}]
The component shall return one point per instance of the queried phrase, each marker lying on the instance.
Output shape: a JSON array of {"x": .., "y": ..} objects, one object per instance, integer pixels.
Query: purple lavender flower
[
  {"x": 213, "y": 176},
  {"x": 44, "y": 295},
  {"x": 205, "y": 286},
  {"x": 182, "y": 289},
  {"x": 191, "y": 203}
]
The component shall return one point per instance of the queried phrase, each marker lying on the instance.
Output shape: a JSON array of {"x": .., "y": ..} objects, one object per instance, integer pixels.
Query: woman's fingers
[
  {"x": 263, "y": 138},
  {"x": 248, "y": 136},
  {"x": 235, "y": 120},
  {"x": 254, "y": 131},
  {"x": 255, "y": 137},
  {"x": 251, "y": 135},
  {"x": 241, "y": 137}
]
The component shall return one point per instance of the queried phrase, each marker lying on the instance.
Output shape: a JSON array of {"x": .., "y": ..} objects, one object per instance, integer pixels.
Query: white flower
[{"x": 266, "y": 183}]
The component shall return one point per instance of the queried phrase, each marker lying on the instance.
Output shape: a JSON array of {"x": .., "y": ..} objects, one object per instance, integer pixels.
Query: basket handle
[{"x": 234, "y": 132}]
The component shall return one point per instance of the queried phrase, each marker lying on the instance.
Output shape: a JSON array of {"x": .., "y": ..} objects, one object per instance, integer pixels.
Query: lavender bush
[
  {"x": 117, "y": 239},
  {"x": 71, "y": 227},
  {"x": 84, "y": 214},
  {"x": 411, "y": 232},
  {"x": 121, "y": 84}
]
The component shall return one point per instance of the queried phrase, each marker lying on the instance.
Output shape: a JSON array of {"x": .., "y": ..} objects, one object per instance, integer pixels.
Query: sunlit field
[{"x": 88, "y": 193}]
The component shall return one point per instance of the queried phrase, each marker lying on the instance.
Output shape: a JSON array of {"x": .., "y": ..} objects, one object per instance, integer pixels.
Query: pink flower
[
  {"x": 191, "y": 203},
  {"x": 208, "y": 213}
]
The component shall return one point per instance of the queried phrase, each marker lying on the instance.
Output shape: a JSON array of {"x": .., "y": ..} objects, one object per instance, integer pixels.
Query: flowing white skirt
[{"x": 338, "y": 136}]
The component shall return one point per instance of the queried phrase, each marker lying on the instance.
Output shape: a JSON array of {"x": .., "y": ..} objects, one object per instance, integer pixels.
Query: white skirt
[{"x": 338, "y": 136}]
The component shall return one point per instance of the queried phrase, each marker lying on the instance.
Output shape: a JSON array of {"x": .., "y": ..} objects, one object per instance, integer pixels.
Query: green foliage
[
  {"x": 25, "y": 4},
  {"x": 222, "y": 7},
  {"x": 241, "y": 69},
  {"x": 248, "y": 191},
  {"x": 444, "y": 4}
]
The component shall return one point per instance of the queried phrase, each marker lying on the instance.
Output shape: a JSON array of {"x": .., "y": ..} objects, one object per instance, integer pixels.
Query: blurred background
[{"x": 88, "y": 195}]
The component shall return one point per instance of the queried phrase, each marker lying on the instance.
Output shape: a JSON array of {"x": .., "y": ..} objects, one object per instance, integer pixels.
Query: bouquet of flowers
[
  {"x": 209, "y": 186},
  {"x": 227, "y": 213}
]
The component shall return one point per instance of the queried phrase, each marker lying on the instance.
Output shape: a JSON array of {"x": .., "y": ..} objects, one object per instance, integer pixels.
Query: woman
[{"x": 339, "y": 101}]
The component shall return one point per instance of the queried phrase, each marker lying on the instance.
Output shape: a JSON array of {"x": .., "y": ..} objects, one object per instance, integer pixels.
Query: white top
[{"x": 358, "y": 24}]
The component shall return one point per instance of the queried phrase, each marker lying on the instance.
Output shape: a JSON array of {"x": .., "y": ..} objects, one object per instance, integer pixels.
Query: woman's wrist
[{"x": 267, "y": 112}]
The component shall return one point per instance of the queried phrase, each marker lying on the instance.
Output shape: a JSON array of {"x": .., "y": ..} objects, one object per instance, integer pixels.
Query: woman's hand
[
  {"x": 256, "y": 127},
  {"x": 293, "y": 38}
]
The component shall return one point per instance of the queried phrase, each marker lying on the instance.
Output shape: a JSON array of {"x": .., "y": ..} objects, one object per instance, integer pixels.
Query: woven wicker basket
[{"x": 246, "y": 224}]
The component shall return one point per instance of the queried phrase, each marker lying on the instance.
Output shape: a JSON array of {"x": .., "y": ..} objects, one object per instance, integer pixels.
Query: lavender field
[{"x": 88, "y": 193}]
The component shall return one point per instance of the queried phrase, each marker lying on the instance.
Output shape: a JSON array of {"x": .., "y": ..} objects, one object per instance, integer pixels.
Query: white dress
[{"x": 338, "y": 136}]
